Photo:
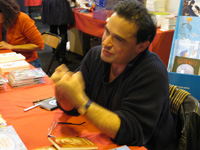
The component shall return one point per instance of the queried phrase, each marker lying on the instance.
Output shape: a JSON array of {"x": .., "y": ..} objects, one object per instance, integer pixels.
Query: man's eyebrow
[
  {"x": 117, "y": 36},
  {"x": 106, "y": 28}
]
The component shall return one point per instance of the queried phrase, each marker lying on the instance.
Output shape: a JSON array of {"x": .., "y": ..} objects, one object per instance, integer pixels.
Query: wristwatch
[{"x": 83, "y": 109}]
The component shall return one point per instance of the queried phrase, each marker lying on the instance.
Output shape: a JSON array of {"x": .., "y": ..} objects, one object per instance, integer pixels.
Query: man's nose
[{"x": 107, "y": 41}]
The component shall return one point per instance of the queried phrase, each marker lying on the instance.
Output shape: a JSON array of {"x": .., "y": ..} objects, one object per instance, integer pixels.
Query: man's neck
[{"x": 115, "y": 71}]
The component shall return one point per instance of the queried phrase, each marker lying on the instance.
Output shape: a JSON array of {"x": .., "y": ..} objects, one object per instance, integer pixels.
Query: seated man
[{"x": 120, "y": 86}]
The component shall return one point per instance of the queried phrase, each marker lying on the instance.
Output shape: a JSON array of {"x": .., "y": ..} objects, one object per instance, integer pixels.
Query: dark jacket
[{"x": 186, "y": 111}]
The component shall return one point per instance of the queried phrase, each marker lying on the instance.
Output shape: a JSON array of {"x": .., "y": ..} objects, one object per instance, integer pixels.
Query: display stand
[{"x": 186, "y": 44}]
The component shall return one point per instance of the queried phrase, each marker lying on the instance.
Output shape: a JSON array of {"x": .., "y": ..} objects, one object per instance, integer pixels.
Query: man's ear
[{"x": 142, "y": 46}]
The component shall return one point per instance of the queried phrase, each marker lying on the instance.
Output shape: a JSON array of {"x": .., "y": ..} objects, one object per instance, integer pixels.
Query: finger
[
  {"x": 61, "y": 68},
  {"x": 56, "y": 76},
  {"x": 79, "y": 77},
  {"x": 67, "y": 76}
]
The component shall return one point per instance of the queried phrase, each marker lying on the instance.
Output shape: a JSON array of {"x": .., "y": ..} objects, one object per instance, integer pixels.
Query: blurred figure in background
[
  {"x": 23, "y": 8},
  {"x": 19, "y": 33},
  {"x": 58, "y": 14}
]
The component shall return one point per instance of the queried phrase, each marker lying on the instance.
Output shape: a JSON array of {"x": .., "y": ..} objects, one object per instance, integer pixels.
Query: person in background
[
  {"x": 58, "y": 14},
  {"x": 22, "y": 7},
  {"x": 120, "y": 86},
  {"x": 19, "y": 33}
]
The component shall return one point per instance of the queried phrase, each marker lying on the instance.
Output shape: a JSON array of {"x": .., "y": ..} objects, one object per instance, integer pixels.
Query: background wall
[{"x": 172, "y": 6}]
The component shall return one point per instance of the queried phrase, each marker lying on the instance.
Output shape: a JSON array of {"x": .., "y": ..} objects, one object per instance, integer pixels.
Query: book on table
[
  {"x": 9, "y": 139},
  {"x": 15, "y": 65},
  {"x": 10, "y": 57},
  {"x": 18, "y": 78},
  {"x": 72, "y": 143}
]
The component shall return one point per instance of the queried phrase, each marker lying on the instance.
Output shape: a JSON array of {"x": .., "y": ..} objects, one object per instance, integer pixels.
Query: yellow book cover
[
  {"x": 51, "y": 147},
  {"x": 72, "y": 143}
]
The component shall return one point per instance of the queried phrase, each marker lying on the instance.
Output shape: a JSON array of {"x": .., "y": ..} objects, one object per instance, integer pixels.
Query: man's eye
[
  {"x": 107, "y": 32},
  {"x": 119, "y": 39}
]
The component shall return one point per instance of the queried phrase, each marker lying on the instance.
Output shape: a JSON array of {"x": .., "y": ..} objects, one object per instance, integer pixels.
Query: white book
[
  {"x": 167, "y": 27},
  {"x": 9, "y": 57},
  {"x": 169, "y": 20},
  {"x": 10, "y": 140},
  {"x": 16, "y": 65}
]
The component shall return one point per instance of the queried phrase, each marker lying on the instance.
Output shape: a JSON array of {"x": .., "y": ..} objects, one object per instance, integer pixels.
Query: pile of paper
[
  {"x": 14, "y": 65},
  {"x": 155, "y": 5},
  {"x": 11, "y": 56},
  {"x": 26, "y": 77},
  {"x": 168, "y": 23}
]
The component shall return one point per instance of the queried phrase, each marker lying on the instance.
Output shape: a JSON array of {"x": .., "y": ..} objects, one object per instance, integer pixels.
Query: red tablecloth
[
  {"x": 87, "y": 24},
  {"x": 32, "y": 126},
  {"x": 32, "y": 2}
]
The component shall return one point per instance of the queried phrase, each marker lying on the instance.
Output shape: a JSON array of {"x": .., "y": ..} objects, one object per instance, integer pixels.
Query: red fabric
[
  {"x": 85, "y": 130},
  {"x": 87, "y": 24},
  {"x": 32, "y": 126},
  {"x": 32, "y": 2},
  {"x": 24, "y": 31},
  {"x": 161, "y": 44}
]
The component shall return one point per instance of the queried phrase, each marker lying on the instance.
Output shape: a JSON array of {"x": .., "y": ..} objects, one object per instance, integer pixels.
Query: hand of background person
[{"x": 5, "y": 45}]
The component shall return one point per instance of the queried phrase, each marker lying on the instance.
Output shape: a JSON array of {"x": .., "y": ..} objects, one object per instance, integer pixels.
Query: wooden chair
[{"x": 53, "y": 41}]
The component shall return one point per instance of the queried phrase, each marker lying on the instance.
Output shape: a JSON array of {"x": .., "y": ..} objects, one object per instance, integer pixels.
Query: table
[
  {"x": 95, "y": 27},
  {"x": 32, "y": 2},
  {"x": 32, "y": 126}
]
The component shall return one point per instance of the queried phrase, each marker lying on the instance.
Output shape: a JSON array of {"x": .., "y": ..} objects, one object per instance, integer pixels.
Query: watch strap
[{"x": 83, "y": 109}]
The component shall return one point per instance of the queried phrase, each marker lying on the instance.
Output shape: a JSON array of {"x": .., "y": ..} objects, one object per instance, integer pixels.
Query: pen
[{"x": 32, "y": 107}]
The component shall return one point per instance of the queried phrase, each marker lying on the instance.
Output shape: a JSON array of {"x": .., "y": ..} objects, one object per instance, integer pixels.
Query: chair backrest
[
  {"x": 51, "y": 39},
  {"x": 186, "y": 112}
]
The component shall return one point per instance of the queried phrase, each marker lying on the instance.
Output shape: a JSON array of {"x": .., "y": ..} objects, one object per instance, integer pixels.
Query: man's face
[{"x": 119, "y": 44}]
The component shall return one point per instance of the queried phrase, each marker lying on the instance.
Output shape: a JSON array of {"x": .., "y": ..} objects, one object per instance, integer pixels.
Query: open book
[{"x": 72, "y": 143}]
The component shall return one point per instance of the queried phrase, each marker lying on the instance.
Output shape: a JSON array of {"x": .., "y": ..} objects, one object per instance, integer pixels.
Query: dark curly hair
[
  {"x": 136, "y": 12},
  {"x": 10, "y": 10}
]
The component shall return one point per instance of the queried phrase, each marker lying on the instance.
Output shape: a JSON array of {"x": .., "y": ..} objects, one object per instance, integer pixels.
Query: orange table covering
[
  {"x": 32, "y": 2},
  {"x": 32, "y": 126},
  {"x": 87, "y": 24}
]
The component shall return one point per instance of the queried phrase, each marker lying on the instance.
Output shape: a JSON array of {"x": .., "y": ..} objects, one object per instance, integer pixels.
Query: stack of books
[
  {"x": 155, "y": 5},
  {"x": 168, "y": 23},
  {"x": 19, "y": 78},
  {"x": 9, "y": 57},
  {"x": 14, "y": 65}
]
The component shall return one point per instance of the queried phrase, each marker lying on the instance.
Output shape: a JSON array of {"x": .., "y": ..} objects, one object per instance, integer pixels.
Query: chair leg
[{"x": 51, "y": 62}]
